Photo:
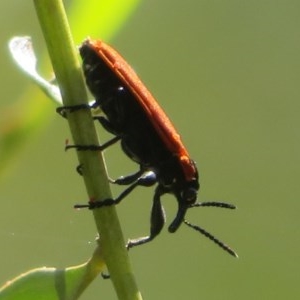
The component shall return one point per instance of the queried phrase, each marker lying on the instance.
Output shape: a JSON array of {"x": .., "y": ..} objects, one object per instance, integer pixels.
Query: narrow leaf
[{"x": 23, "y": 54}]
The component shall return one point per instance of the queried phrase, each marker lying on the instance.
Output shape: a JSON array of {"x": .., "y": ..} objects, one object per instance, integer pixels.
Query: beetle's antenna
[{"x": 212, "y": 238}]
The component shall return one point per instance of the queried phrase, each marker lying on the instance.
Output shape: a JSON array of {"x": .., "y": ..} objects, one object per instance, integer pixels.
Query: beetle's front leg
[{"x": 157, "y": 221}]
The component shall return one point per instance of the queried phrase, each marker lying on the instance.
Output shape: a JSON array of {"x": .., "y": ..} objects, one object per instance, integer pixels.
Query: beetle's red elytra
[
  {"x": 156, "y": 115},
  {"x": 147, "y": 136}
]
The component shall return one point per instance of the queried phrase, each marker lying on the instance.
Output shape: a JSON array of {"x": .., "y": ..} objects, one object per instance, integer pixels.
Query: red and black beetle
[{"x": 147, "y": 136}]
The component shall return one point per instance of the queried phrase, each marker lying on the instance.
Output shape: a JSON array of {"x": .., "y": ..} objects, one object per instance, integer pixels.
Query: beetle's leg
[
  {"x": 107, "y": 125},
  {"x": 94, "y": 147},
  {"x": 128, "y": 179},
  {"x": 147, "y": 179},
  {"x": 157, "y": 220},
  {"x": 108, "y": 202},
  {"x": 105, "y": 276},
  {"x": 102, "y": 147},
  {"x": 62, "y": 110}
]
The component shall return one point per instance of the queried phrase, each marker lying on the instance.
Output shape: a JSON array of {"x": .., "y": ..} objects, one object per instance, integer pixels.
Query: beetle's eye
[{"x": 190, "y": 195}]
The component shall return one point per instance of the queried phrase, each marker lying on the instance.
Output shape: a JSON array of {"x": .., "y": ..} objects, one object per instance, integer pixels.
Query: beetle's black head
[{"x": 186, "y": 196}]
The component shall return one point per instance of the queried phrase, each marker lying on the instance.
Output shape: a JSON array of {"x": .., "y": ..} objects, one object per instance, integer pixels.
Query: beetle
[{"x": 147, "y": 137}]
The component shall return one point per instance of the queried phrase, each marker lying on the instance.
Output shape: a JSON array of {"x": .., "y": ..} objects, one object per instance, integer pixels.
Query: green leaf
[
  {"x": 51, "y": 283},
  {"x": 23, "y": 53}
]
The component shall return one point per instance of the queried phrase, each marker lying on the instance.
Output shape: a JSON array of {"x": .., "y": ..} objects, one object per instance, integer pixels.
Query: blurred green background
[{"x": 227, "y": 73}]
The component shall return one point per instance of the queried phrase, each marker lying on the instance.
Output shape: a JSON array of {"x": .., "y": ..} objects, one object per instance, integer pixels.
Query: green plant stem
[{"x": 67, "y": 69}]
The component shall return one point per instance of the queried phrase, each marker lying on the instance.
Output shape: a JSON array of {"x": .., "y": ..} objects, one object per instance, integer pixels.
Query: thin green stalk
[{"x": 67, "y": 69}]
